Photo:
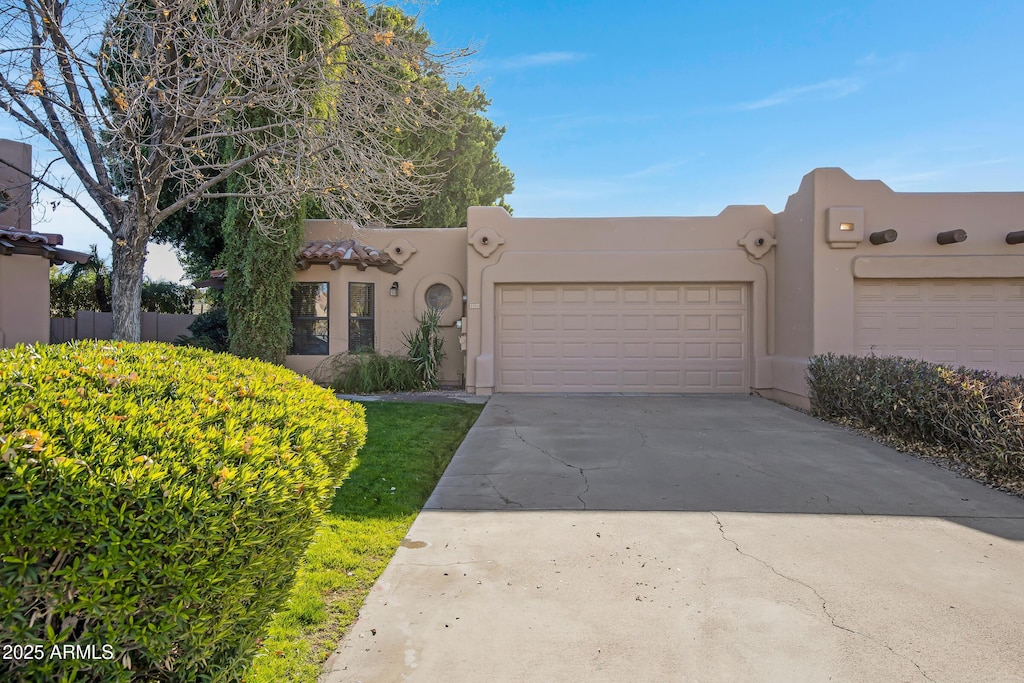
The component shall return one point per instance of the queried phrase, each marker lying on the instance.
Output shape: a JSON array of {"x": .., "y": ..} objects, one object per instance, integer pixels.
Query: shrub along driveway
[{"x": 693, "y": 538}]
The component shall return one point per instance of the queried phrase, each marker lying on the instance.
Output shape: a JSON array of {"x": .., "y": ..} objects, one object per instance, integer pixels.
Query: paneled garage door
[
  {"x": 977, "y": 323},
  {"x": 612, "y": 338}
]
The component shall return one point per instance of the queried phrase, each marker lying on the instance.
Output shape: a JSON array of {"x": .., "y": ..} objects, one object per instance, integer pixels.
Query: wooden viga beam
[
  {"x": 883, "y": 237},
  {"x": 951, "y": 236}
]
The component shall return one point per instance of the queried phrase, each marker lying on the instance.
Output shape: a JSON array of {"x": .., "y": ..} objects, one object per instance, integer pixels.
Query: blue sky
[{"x": 681, "y": 108}]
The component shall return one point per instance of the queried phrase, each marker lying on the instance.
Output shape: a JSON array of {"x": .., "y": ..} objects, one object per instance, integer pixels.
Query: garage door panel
[
  {"x": 698, "y": 295},
  {"x": 574, "y": 295},
  {"x": 543, "y": 323},
  {"x": 731, "y": 322},
  {"x": 664, "y": 337},
  {"x": 960, "y": 322},
  {"x": 666, "y": 323},
  {"x": 636, "y": 323},
  {"x": 668, "y": 379},
  {"x": 697, "y": 322},
  {"x": 664, "y": 295},
  {"x": 512, "y": 295},
  {"x": 513, "y": 322},
  {"x": 512, "y": 349},
  {"x": 729, "y": 295},
  {"x": 634, "y": 295}
]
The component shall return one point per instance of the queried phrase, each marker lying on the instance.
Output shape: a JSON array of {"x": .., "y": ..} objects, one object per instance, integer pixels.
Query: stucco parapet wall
[
  {"x": 918, "y": 217},
  {"x": 381, "y": 238},
  {"x": 621, "y": 234}
]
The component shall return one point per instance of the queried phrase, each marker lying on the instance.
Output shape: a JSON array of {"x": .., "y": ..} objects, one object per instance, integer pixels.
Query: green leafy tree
[
  {"x": 474, "y": 176},
  {"x": 80, "y": 287},
  {"x": 86, "y": 287}
]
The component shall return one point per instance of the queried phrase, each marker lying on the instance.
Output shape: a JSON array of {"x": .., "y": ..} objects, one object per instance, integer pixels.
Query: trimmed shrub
[
  {"x": 368, "y": 373},
  {"x": 155, "y": 502},
  {"x": 973, "y": 416},
  {"x": 209, "y": 331}
]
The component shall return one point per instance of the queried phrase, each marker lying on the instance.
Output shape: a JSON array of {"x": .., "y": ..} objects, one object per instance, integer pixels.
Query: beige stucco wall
[
  {"x": 24, "y": 300},
  {"x": 815, "y": 282},
  {"x": 622, "y": 250},
  {"x": 794, "y": 290},
  {"x": 801, "y": 283},
  {"x": 437, "y": 255}
]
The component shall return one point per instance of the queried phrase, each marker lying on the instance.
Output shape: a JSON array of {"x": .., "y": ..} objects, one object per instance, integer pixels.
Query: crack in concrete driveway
[
  {"x": 583, "y": 474},
  {"x": 824, "y": 603}
]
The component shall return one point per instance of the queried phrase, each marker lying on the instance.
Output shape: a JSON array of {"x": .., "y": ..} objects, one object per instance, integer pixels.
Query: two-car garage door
[
  {"x": 974, "y": 322},
  {"x": 672, "y": 337}
]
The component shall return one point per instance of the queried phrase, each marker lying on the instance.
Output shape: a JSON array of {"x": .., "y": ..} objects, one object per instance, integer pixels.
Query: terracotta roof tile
[
  {"x": 14, "y": 235},
  {"x": 344, "y": 251},
  {"x": 14, "y": 241},
  {"x": 334, "y": 254}
]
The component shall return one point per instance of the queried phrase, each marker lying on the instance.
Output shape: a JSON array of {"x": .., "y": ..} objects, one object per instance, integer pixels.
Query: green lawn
[{"x": 407, "y": 448}]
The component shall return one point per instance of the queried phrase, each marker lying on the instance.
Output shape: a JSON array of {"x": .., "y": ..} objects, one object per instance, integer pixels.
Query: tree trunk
[{"x": 128, "y": 259}]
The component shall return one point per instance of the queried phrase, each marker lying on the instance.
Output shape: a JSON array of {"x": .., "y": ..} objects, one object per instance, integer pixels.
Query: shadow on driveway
[{"x": 698, "y": 453}]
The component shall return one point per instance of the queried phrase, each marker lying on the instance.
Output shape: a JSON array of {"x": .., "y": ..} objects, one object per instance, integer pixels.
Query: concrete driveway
[{"x": 693, "y": 538}]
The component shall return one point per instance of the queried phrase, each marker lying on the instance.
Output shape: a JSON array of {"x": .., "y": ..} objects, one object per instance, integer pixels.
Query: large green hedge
[
  {"x": 154, "y": 504},
  {"x": 974, "y": 416}
]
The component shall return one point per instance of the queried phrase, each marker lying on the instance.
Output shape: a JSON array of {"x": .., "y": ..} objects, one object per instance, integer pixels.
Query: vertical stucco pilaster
[
  {"x": 795, "y": 234},
  {"x": 480, "y": 301},
  {"x": 833, "y": 274}
]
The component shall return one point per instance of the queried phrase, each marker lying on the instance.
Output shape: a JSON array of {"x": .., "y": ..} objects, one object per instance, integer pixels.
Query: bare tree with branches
[{"x": 134, "y": 93}]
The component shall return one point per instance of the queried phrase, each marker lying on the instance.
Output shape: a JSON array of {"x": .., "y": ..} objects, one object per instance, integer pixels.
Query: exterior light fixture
[
  {"x": 1015, "y": 237},
  {"x": 394, "y": 289},
  {"x": 844, "y": 226}
]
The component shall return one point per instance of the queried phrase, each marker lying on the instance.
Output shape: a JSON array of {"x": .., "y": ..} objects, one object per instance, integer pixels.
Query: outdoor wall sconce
[
  {"x": 951, "y": 236},
  {"x": 1015, "y": 237},
  {"x": 844, "y": 226},
  {"x": 394, "y": 289},
  {"x": 883, "y": 237}
]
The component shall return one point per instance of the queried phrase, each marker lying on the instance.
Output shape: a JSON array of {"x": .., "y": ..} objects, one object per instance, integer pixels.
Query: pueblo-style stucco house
[
  {"x": 25, "y": 256},
  {"x": 730, "y": 303}
]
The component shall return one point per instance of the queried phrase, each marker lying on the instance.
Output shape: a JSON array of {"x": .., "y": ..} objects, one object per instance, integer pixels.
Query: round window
[{"x": 439, "y": 296}]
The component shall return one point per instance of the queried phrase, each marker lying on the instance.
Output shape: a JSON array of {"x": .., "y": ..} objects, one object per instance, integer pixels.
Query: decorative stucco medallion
[
  {"x": 757, "y": 242},
  {"x": 486, "y": 241},
  {"x": 400, "y": 251}
]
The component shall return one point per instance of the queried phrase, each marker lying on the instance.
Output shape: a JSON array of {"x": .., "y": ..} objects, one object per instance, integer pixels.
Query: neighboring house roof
[
  {"x": 319, "y": 252},
  {"x": 47, "y": 245}
]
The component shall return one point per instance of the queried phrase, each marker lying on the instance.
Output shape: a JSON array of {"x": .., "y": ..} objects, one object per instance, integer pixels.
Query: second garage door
[
  {"x": 673, "y": 337},
  {"x": 978, "y": 323}
]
